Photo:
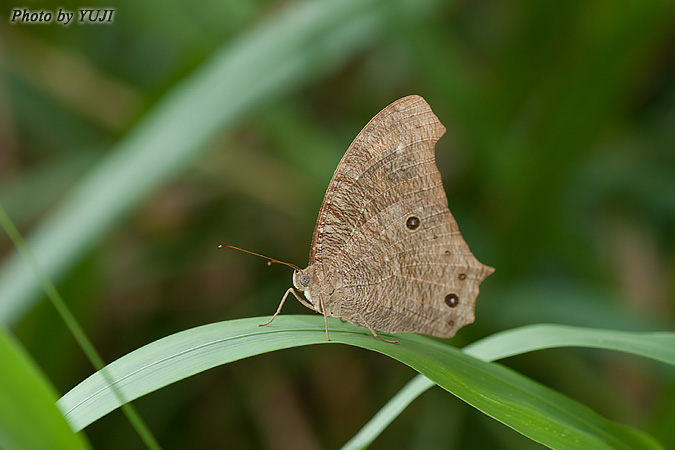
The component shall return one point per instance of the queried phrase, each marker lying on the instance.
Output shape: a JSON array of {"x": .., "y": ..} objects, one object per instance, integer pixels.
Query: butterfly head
[{"x": 301, "y": 279}]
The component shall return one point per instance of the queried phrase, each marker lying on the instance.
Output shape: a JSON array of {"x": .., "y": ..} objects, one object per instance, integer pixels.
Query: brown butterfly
[{"x": 386, "y": 252}]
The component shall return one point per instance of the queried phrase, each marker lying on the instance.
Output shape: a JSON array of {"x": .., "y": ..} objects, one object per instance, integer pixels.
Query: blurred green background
[{"x": 130, "y": 150}]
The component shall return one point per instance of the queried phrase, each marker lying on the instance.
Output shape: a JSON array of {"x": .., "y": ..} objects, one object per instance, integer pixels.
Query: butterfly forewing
[{"x": 373, "y": 163}]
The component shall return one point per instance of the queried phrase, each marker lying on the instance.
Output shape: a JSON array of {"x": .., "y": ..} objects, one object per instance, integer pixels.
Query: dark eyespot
[
  {"x": 451, "y": 323},
  {"x": 451, "y": 300},
  {"x": 412, "y": 222},
  {"x": 462, "y": 276}
]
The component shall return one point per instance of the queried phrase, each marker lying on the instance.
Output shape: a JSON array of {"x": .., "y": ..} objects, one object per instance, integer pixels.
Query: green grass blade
[
  {"x": 28, "y": 415},
  {"x": 284, "y": 53},
  {"x": 530, "y": 408},
  {"x": 658, "y": 346}
]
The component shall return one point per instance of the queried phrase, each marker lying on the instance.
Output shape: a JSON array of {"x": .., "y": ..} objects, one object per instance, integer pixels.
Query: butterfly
[{"x": 386, "y": 252}]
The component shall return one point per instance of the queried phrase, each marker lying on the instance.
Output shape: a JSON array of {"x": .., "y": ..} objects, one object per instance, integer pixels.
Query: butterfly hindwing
[{"x": 415, "y": 270}]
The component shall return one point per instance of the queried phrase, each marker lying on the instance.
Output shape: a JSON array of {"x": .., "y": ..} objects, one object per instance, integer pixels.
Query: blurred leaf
[
  {"x": 69, "y": 319},
  {"x": 25, "y": 197},
  {"x": 29, "y": 418},
  {"x": 662, "y": 424},
  {"x": 286, "y": 52},
  {"x": 394, "y": 407},
  {"x": 530, "y": 408},
  {"x": 659, "y": 346}
]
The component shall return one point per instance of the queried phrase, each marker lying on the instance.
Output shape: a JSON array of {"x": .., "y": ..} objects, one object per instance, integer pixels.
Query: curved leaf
[
  {"x": 528, "y": 407},
  {"x": 658, "y": 346}
]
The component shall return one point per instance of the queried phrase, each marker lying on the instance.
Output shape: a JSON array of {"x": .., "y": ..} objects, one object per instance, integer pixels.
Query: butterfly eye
[
  {"x": 412, "y": 222},
  {"x": 304, "y": 279},
  {"x": 451, "y": 300}
]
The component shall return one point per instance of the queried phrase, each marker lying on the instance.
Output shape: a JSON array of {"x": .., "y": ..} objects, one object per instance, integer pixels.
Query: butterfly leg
[
  {"x": 373, "y": 331},
  {"x": 283, "y": 299},
  {"x": 325, "y": 318}
]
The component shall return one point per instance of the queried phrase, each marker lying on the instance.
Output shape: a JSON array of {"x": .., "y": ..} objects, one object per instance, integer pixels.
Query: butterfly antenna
[{"x": 269, "y": 260}]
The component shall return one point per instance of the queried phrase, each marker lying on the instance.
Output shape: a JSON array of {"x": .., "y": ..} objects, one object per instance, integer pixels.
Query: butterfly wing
[{"x": 386, "y": 247}]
